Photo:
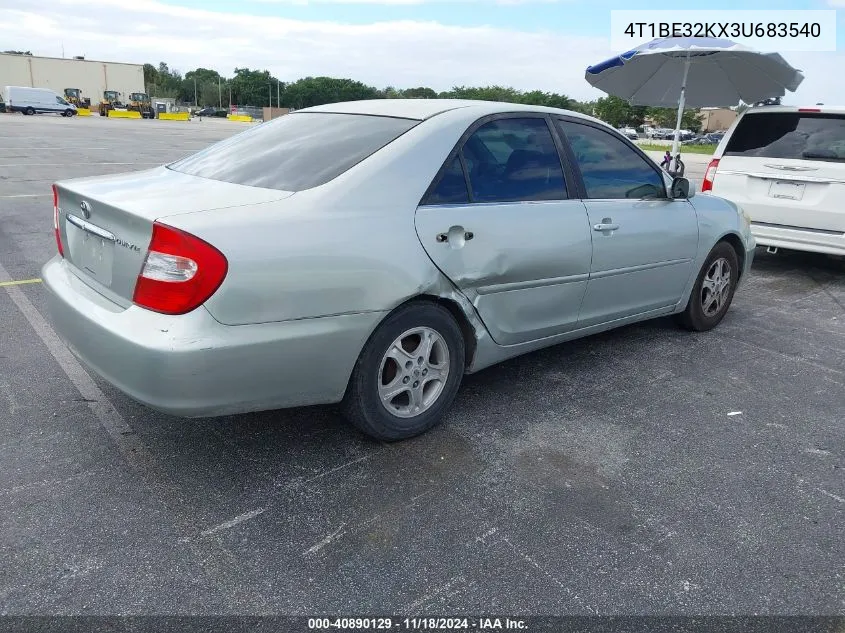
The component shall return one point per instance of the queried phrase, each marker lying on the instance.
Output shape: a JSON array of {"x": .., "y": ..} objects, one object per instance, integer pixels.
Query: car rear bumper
[
  {"x": 191, "y": 365},
  {"x": 794, "y": 238}
]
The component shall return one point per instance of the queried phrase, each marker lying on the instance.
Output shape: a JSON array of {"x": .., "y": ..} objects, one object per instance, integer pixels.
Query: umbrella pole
[{"x": 681, "y": 102}]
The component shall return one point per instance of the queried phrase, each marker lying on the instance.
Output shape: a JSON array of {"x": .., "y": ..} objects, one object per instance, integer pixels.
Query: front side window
[
  {"x": 609, "y": 167},
  {"x": 514, "y": 160},
  {"x": 789, "y": 135},
  {"x": 295, "y": 152}
]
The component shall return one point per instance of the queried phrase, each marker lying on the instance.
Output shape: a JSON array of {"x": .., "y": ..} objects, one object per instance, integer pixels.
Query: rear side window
[
  {"x": 796, "y": 135},
  {"x": 295, "y": 152},
  {"x": 514, "y": 160},
  {"x": 452, "y": 188}
]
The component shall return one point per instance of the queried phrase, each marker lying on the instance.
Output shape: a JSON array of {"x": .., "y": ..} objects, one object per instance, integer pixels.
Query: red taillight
[
  {"x": 809, "y": 110},
  {"x": 709, "y": 175},
  {"x": 180, "y": 272},
  {"x": 56, "y": 230}
]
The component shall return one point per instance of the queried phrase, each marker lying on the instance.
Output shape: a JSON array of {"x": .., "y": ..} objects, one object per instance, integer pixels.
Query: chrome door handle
[
  {"x": 606, "y": 225},
  {"x": 456, "y": 233}
]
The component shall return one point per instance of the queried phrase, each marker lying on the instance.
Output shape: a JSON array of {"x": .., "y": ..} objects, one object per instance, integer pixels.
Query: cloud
[
  {"x": 403, "y": 53},
  {"x": 408, "y": 2}
]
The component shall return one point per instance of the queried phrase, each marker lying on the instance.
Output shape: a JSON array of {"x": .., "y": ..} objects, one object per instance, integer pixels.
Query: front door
[
  {"x": 644, "y": 243},
  {"x": 500, "y": 222}
]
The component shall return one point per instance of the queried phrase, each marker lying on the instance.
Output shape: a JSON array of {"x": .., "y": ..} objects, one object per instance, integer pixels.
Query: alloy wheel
[{"x": 413, "y": 372}]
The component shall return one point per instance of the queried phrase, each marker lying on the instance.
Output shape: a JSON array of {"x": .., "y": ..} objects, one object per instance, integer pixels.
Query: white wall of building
[{"x": 92, "y": 77}]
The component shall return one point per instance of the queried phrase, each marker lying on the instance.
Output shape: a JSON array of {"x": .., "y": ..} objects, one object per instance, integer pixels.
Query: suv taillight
[
  {"x": 56, "y": 229},
  {"x": 180, "y": 272},
  {"x": 709, "y": 175}
]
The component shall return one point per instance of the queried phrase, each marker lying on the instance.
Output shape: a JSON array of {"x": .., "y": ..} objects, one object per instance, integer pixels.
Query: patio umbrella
[{"x": 694, "y": 72}]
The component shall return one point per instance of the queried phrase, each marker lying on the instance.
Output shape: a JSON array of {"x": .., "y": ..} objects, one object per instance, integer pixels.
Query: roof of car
[
  {"x": 426, "y": 108},
  {"x": 831, "y": 109}
]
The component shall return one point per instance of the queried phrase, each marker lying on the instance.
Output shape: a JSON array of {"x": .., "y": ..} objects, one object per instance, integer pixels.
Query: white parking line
[
  {"x": 124, "y": 438},
  {"x": 27, "y": 195}
]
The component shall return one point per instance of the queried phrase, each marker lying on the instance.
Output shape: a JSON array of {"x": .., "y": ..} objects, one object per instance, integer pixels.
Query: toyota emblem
[{"x": 86, "y": 209}]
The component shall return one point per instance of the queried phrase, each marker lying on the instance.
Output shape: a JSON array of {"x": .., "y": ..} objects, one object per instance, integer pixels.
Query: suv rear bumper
[{"x": 798, "y": 239}]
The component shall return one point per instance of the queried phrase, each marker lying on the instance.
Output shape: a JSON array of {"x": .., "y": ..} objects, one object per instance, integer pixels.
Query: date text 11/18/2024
[{"x": 416, "y": 624}]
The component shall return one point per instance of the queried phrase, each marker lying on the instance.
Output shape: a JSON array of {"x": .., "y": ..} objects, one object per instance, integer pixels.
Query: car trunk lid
[{"x": 106, "y": 223}]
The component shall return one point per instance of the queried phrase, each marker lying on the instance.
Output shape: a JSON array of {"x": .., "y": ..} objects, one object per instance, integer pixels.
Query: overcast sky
[{"x": 527, "y": 44}]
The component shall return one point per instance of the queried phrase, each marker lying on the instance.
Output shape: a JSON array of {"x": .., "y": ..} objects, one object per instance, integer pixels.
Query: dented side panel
[{"x": 524, "y": 266}]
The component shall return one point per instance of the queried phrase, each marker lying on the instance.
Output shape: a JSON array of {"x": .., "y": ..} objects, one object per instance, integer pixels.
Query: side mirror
[{"x": 680, "y": 188}]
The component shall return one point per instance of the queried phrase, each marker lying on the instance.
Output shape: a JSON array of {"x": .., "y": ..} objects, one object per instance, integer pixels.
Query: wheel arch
[
  {"x": 735, "y": 241},
  {"x": 458, "y": 313}
]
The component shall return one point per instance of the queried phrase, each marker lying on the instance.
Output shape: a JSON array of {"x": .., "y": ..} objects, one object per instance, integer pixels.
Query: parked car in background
[
  {"x": 629, "y": 132},
  {"x": 705, "y": 139},
  {"x": 785, "y": 166},
  {"x": 36, "y": 101},
  {"x": 371, "y": 253},
  {"x": 208, "y": 111}
]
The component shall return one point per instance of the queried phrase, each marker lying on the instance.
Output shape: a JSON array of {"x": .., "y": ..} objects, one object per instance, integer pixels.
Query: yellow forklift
[
  {"x": 111, "y": 101},
  {"x": 74, "y": 96},
  {"x": 140, "y": 102}
]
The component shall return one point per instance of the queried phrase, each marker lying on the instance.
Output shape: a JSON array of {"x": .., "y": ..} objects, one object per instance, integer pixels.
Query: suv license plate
[{"x": 787, "y": 190}]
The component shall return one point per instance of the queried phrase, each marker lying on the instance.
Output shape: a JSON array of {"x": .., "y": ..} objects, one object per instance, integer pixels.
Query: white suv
[{"x": 785, "y": 166}]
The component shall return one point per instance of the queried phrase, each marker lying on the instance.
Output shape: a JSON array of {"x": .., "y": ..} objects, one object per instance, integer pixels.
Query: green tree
[
  {"x": 161, "y": 81},
  {"x": 667, "y": 117},
  {"x": 618, "y": 112},
  {"x": 312, "y": 91},
  {"x": 197, "y": 84},
  {"x": 19, "y": 52},
  {"x": 419, "y": 93},
  {"x": 209, "y": 95},
  {"x": 150, "y": 74},
  {"x": 253, "y": 87}
]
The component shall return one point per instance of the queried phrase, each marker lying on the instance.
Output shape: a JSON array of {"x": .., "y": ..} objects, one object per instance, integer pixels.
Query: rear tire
[
  {"x": 713, "y": 291},
  {"x": 408, "y": 373},
  {"x": 29, "y": 111}
]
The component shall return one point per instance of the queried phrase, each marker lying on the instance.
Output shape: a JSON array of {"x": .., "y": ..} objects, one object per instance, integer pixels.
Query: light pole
[
  {"x": 196, "y": 101},
  {"x": 219, "y": 92}
]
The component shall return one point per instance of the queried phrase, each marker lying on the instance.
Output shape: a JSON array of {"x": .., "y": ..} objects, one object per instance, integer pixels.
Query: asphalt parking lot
[{"x": 646, "y": 470}]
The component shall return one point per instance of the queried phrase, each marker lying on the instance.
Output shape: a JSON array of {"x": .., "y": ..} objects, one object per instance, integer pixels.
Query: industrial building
[
  {"x": 91, "y": 77},
  {"x": 716, "y": 119}
]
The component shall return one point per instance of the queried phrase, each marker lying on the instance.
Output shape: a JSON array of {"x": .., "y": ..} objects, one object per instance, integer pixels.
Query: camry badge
[{"x": 86, "y": 209}]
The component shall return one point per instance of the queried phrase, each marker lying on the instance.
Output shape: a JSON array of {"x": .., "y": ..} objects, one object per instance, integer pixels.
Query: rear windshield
[
  {"x": 296, "y": 151},
  {"x": 801, "y": 135}
]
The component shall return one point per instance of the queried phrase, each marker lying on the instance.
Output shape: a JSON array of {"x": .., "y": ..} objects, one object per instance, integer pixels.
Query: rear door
[
  {"x": 501, "y": 222},
  {"x": 787, "y": 169}
]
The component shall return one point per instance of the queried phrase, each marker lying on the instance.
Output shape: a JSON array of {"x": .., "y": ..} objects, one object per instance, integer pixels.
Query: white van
[
  {"x": 785, "y": 166},
  {"x": 32, "y": 100}
]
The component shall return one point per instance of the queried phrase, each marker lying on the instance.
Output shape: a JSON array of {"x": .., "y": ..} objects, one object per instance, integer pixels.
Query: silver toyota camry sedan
[{"x": 371, "y": 253}]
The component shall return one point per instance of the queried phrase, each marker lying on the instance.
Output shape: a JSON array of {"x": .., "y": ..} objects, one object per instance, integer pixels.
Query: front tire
[
  {"x": 408, "y": 373},
  {"x": 713, "y": 291}
]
